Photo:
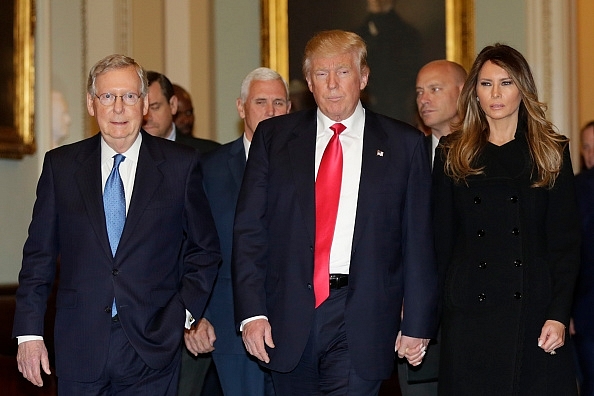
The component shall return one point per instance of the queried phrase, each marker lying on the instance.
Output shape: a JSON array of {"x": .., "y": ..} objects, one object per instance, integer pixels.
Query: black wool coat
[{"x": 508, "y": 256}]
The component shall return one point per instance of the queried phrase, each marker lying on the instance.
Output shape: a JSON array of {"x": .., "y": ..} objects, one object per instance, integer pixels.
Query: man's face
[
  {"x": 336, "y": 83},
  {"x": 184, "y": 118},
  {"x": 266, "y": 99},
  {"x": 159, "y": 118},
  {"x": 437, "y": 95},
  {"x": 119, "y": 123}
]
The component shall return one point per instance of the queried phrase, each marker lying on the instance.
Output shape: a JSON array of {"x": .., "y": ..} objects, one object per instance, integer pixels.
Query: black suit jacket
[
  {"x": 202, "y": 145},
  {"x": 166, "y": 260},
  {"x": 392, "y": 256}
]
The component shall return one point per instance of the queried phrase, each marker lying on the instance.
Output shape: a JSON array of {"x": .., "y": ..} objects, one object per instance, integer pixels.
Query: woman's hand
[{"x": 552, "y": 336}]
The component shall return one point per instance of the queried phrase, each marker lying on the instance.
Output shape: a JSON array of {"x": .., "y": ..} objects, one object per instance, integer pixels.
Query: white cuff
[
  {"x": 189, "y": 320},
  {"x": 248, "y": 320},
  {"x": 25, "y": 338}
]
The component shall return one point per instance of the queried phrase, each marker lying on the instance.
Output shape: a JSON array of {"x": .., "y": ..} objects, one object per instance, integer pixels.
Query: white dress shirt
[{"x": 351, "y": 140}]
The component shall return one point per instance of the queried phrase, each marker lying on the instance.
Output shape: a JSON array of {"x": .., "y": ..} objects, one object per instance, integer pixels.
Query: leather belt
[{"x": 338, "y": 281}]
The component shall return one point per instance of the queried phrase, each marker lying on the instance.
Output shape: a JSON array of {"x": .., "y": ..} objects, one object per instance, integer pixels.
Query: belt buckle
[{"x": 338, "y": 281}]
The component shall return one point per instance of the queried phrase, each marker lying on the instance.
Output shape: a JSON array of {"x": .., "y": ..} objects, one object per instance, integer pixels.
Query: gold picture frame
[
  {"x": 17, "y": 136},
  {"x": 275, "y": 33}
]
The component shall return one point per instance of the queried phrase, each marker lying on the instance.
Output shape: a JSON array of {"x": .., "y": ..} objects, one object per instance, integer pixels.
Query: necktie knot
[
  {"x": 117, "y": 160},
  {"x": 338, "y": 128}
]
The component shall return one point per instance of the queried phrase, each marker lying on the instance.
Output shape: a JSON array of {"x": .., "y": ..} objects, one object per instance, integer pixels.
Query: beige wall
[{"x": 502, "y": 21}]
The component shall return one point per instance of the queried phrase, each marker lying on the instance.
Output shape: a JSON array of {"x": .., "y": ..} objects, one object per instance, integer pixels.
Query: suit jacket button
[
  {"x": 482, "y": 297},
  {"x": 513, "y": 199},
  {"x": 477, "y": 200},
  {"x": 115, "y": 272},
  {"x": 309, "y": 286},
  {"x": 515, "y": 231},
  {"x": 518, "y": 262},
  {"x": 483, "y": 265},
  {"x": 517, "y": 295},
  {"x": 107, "y": 309},
  {"x": 480, "y": 233}
]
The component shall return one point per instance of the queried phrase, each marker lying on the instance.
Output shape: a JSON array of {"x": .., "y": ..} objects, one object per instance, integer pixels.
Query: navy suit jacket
[
  {"x": 392, "y": 257},
  {"x": 223, "y": 172},
  {"x": 166, "y": 260}
]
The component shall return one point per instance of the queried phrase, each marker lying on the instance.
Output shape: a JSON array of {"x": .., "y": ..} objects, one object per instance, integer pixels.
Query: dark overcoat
[{"x": 508, "y": 256}]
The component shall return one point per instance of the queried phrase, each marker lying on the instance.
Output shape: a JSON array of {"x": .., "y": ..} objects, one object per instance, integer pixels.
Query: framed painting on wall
[
  {"x": 17, "y": 74},
  {"x": 399, "y": 41}
]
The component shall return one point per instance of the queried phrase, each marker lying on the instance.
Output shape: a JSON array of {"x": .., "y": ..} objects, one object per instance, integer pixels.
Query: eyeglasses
[{"x": 108, "y": 99}]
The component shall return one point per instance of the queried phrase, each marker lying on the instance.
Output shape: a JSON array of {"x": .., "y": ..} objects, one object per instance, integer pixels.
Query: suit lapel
[
  {"x": 376, "y": 156},
  {"x": 88, "y": 179},
  {"x": 236, "y": 161},
  {"x": 302, "y": 148},
  {"x": 147, "y": 180}
]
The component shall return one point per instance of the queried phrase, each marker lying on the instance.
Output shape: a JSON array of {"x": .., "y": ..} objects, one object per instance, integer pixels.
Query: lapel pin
[{"x": 379, "y": 153}]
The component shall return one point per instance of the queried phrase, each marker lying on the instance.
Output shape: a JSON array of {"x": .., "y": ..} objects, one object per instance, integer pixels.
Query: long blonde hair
[{"x": 471, "y": 133}]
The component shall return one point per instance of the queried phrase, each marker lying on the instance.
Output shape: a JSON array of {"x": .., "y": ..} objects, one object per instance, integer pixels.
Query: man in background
[
  {"x": 163, "y": 105},
  {"x": 438, "y": 86},
  {"x": 158, "y": 121},
  {"x": 184, "y": 118},
  {"x": 264, "y": 94}
]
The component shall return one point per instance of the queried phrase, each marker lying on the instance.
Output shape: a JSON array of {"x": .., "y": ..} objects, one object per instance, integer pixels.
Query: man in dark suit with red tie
[
  {"x": 124, "y": 296},
  {"x": 321, "y": 268}
]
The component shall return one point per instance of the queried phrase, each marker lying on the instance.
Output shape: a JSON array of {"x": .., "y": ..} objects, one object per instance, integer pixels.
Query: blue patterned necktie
[{"x": 114, "y": 204}]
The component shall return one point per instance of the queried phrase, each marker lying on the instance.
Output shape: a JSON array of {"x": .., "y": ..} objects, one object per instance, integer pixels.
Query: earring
[{"x": 477, "y": 99}]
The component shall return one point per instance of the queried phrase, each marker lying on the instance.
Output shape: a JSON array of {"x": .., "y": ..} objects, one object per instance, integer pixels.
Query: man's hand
[
  {"x": 255, "y": 334},
  {"x": 200, "y": 338},
  {"x": 413, "y": 349},
  {"x": 552, "y": 336},
  {"x": 30, "y": 356}
]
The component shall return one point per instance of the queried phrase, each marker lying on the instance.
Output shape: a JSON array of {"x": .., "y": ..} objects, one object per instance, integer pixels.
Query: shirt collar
[
  {"x": 131, "y": 154},
  {"x": 173, "y": 133},
  {"x": 350, "y": 123},
  {"x": 246, "y": 145}
]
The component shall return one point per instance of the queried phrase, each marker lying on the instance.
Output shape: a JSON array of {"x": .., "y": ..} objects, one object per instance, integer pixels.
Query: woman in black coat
[{"x": 507, "y": 238}]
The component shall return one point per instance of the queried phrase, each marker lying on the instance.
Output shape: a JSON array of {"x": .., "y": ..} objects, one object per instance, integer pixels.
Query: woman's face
[{"x": 498, "y": 95}]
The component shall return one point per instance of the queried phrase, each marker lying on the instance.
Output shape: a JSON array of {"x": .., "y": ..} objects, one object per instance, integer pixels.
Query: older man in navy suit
[
  {"x": 332, "y": 233},
  {"x": 264, "y": 94},
  {"x": 127, "y": 215}
]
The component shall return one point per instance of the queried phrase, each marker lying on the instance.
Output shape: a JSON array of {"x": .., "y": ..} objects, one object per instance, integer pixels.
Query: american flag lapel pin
[{"x": 379, "y": 153}]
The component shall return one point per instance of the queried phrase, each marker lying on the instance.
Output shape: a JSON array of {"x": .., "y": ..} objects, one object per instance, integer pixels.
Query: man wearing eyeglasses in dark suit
[{"x": 122, "y": 300}]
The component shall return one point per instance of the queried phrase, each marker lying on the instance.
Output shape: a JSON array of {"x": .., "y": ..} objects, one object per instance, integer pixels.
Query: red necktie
[{"x": 327, "y": 196}]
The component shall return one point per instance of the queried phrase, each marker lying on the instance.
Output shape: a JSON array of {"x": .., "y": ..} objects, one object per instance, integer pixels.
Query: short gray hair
[
  {"x": 260, "y": 74},
  {"x": 114, "y": 62}
]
